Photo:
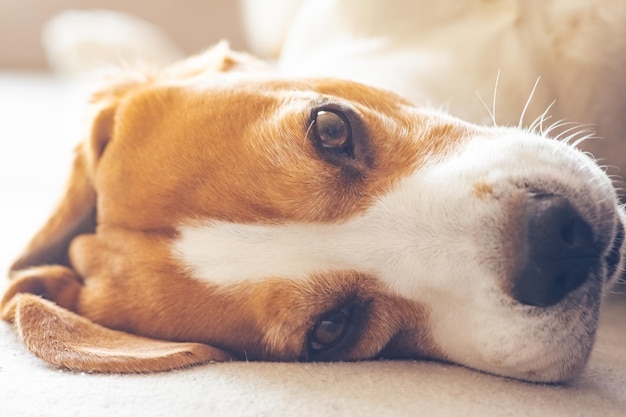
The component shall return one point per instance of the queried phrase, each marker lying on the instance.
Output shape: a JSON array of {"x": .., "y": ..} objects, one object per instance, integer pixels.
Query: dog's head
[{"x": 215, "y": 214}]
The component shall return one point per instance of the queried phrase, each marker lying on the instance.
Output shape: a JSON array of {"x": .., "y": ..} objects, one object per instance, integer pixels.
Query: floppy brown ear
[
  {"x": 63, "y": 338},
  {"x": 75, "y": 212},
  {"x": 68, "y": 340}
]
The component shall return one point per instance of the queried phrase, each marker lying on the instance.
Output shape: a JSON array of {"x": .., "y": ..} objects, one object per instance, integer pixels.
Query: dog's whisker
[
  {"x": 578, "y": 137},
  {"x": 554, "y": 126},
  {"x": 576, "y": 134},
  {"x": 566, "y": 136},
  {"x": 584, "y": 138},
  {"x": 530, "y": 98},
  {"x": 492, "y": 111},
  {"x": 485, "y": 106},
  {"x": 493, "y": 118},
  {"x": 539, "y": 121},
  {"x": 495, "y": 94},
  {"x": 541, "y": 125}
]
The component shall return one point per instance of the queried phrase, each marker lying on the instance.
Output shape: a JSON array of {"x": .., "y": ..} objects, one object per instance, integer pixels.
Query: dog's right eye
[
  {"x": 339, "y": 135},
  {"x": 332, "y": 133}
]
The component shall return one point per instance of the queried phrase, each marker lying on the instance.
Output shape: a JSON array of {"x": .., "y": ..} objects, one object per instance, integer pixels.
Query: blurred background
[{"x": 192, "y": 24}]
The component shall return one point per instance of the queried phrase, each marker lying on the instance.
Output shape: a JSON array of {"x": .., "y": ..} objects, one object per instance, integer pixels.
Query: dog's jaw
[{"x": 445, "y": 238}]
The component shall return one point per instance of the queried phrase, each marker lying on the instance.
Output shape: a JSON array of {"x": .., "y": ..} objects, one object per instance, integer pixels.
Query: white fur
[{"x": 431, "y": 239}]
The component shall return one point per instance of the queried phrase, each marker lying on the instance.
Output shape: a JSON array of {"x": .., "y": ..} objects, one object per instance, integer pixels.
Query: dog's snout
[{"x": 558, "y": 251}]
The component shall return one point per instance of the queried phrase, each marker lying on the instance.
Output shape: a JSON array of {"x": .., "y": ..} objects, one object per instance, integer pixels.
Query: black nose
[{"x": 558, "y": 251}]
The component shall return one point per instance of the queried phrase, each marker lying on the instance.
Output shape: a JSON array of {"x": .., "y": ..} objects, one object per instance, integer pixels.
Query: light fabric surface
[{"x": 40, "y": 124}]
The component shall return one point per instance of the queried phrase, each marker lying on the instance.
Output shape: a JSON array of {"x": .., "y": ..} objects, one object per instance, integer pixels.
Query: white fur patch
[{"x": 404, "y": 239}]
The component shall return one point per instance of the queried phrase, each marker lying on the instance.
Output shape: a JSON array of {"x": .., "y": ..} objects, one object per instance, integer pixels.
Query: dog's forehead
[
  {"x": 240, "y": 151},
  {"x": 231, "y": 102},
  {"x": 277, "y": 86}
]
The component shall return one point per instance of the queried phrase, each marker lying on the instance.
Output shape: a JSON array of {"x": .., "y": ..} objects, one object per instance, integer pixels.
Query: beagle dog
[{"x": 217, "y": 212}]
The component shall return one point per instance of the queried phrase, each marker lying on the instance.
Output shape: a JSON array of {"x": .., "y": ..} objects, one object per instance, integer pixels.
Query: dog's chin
[
  {"x": 534, "y": 344},
  {"x": 555, "y": 360},
  {"x": 553, "y": 366}
]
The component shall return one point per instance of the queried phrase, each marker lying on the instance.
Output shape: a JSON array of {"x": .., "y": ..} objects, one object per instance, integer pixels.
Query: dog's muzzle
[{"x": 559, "y": 251}]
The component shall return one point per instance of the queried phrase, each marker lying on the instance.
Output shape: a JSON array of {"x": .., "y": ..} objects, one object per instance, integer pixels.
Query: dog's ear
[
  {"x": 65, "y": 339},
  {"x": 75, "y": 212},
  {"x": 68, "y": 340}
]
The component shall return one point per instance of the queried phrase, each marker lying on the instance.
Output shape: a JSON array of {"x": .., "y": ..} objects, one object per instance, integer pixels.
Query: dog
[{"x": 217, "y": 211}]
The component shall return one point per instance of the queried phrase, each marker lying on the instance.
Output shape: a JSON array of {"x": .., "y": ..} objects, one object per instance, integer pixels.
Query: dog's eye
[
  {"x": 331, "y": 132},
  {"x": 330, "y": 330}
]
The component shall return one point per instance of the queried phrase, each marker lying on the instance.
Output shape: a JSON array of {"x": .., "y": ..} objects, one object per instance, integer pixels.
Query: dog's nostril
[
  {"x": 558, "y": 251},
  {"x": 575, "y": 232}
]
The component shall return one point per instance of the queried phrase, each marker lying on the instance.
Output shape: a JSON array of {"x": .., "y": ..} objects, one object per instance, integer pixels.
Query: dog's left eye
[
  {"x": 330, "y": 330},
  {"x": 332, "y": 133}
]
